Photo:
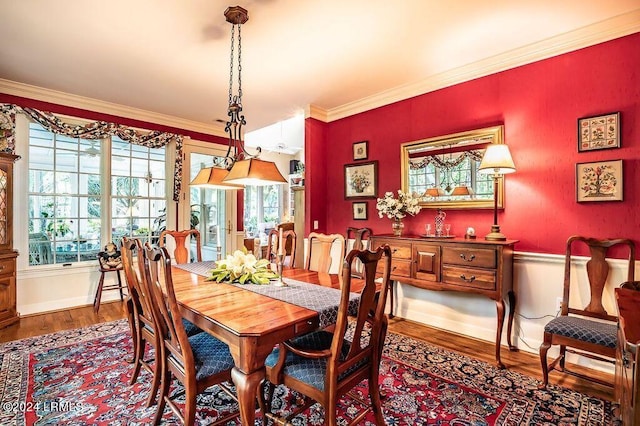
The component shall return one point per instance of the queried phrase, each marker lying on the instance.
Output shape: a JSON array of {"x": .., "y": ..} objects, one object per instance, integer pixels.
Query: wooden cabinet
[
  {"x": 627, "y": 376},
  {"x": 8, "y": 312},
  {"x": 468, "y": 266}
]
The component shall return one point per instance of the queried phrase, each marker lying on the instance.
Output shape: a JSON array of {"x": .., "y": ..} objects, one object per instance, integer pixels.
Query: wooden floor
[{"x": 522, "y": 362}]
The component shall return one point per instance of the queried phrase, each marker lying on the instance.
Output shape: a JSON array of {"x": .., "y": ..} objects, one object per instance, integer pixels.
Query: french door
[{"x": 210, "y": 211}]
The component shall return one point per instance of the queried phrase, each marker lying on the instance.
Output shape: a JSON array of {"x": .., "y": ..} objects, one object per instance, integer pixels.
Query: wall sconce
[{"x": 497, "y": 161}]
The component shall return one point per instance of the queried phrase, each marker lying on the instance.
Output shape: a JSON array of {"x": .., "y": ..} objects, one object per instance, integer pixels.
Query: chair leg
[
  {"x": 265, "y": 403},
  {"x": 155, "y": 384},
  {"x": 96, "y": 300},
  {"x": 544, "y": 347},
  {"x": 190, "y": 404},
  {"x": 562, "y": 357},
  {"x": 120, "y": 284},
  {"x": 331, "y": 411},
  {"x": 165, "y": 382},
  {"x": 138, "y": 356},
  {"x": 133, "y": 327}
]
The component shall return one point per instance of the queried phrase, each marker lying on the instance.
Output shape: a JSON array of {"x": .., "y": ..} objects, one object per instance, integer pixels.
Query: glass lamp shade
[
  {"x": 434, "y": 192},
  {"x": 254, "y": 172},
  {"x": 497, "y": 160},
  {"x": 462, "y": 190},
  {"x": 211, "y": 177}
]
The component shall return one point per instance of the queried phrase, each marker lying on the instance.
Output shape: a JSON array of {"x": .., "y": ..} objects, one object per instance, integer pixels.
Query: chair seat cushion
[
  {"x": 599, "y": 333},
  {"x": 211, "y": 355},
  {"x": 190, "y": 328},
  {"x": 311, "y": 371}
]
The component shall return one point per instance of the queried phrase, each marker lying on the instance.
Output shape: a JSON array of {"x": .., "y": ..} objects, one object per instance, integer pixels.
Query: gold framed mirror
[{"x": 444, "y": 169}]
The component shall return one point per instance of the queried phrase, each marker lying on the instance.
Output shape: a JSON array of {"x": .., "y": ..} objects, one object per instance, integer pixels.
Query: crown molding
[
  {"x": 600, "y": 32},
  {"x": 314, "y": 111},
  {"x": 47, "y": 95}
]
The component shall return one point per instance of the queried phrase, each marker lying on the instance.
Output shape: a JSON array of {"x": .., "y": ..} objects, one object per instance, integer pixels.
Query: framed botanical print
[
  {"x": 601, "y": 132},
  {"x": 361, "y": 150},
  {"x": 360, "y": 211},
  {"x": 599, "y": 181},
  {"x": 361, "y": 180}
]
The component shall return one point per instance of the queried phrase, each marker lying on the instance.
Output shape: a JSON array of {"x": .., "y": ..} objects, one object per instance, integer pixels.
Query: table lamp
[{"x": 497, "y": 161}]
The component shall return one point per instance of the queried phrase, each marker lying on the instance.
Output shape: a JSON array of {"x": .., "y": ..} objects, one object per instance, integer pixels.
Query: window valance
[{"x": 93, "y": 130}]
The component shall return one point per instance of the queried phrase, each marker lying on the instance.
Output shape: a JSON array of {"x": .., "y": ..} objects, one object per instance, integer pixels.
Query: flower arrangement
[
  {"x": 242, "y": 267},
  {"x": 360, "y": 181},
  {"x": 398, "y": 208}
]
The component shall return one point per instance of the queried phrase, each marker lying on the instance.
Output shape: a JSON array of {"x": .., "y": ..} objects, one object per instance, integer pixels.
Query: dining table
[{"x": 252, "y": 323}]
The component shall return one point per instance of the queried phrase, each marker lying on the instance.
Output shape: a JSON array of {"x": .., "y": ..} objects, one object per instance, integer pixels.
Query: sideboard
[
  {"x": 455, "y": 264},
  {"x": 627, "y": 376}
]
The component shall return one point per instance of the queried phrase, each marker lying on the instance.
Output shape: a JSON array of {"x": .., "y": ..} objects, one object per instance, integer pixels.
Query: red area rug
[{"x": 80, "y": 377}]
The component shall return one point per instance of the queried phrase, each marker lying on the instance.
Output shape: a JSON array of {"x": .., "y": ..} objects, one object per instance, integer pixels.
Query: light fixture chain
[
  {"x": 239, "y": 64},
  {"x": 233, "y": 27}
]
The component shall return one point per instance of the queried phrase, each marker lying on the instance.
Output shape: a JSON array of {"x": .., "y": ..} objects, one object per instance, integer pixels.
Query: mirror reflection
[{"x": 444, "y": 169}]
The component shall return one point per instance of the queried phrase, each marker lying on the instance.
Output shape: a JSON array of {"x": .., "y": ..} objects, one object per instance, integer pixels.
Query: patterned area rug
[{"x": 80, "y": 377}]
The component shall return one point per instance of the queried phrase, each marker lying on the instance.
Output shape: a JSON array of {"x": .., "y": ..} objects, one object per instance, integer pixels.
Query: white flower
[{"x": 393, "y": 208}]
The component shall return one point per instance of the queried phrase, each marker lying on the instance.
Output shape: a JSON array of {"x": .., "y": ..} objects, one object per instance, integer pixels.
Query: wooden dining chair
[
  {"x": 328, "y": 363},
  {"x": 359, "y": 235},
  {"x": 290, "y": 240},
  {"x": 197, "y": 362},
  {"x": 319, "y": 251},
  {"x": 589, "y": 331},
  {"x": 143, "y": 330},
  {"x": 182, "y": 253}
]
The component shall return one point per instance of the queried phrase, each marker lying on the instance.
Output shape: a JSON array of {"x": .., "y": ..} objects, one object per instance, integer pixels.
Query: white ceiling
[{"x": 171, "y": 57}]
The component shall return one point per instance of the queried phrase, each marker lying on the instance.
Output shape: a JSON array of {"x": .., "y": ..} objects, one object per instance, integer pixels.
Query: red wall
[{"x": 539, "y": 105}]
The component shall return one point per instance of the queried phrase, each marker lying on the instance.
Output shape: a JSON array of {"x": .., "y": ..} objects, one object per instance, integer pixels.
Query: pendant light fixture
[{"x": 238, "y": 167}]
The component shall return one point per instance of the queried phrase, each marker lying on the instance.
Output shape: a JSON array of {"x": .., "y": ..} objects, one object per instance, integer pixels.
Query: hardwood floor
[{"x": 522, "y": 362}]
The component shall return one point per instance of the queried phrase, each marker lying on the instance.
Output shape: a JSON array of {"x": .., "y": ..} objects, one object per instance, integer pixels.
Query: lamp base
[{"x": 495, "y": 234}]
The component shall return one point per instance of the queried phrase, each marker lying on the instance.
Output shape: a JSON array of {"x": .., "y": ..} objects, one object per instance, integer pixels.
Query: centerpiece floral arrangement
[
  {"x": 243, "y": 268},
  {"x": 398, "y": 208}
]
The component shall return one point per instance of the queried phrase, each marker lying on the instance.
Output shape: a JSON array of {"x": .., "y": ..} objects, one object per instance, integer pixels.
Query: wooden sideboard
[
  {"x": 627, "y": 376},
  {"x": 456, "y": 264}
]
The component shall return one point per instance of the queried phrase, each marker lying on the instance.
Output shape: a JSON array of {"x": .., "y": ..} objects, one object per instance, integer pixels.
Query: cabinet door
[
  {"x": 7, "y": 297},
  {"x": 5, "y": 206},
  {"x": 426, "y": 261}
]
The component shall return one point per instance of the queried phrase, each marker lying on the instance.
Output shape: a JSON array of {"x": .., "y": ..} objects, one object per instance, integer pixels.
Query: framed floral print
[
  {"x": 601, "y": 132},
  {"x": 599, "y": 181},
  {"x": 361, "y": 180},
  {"x": 360, "y": 211},
  {"x": 361, "y": 150}
]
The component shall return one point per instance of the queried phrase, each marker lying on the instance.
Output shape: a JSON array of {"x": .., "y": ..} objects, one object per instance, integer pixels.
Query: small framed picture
[
  {"x": 361, "y": 180},
  {"x": 360, "y": 211},
  {"x": 599, "y": 181},
  {"x": 361, "y": 150},
  {"x": 601, "y": 132}
]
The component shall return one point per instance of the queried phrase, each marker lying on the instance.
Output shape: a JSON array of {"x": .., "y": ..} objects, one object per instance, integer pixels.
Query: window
[
  {"x": 138, "y": 198},
  {"x": 423, "y": 176},
  {"x": 66, "y": 202},
  {"x": 262, "y": 208}
]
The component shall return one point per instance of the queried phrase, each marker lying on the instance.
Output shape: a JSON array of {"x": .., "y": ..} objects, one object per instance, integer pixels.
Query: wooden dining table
[{"x": 250, "y": 323}]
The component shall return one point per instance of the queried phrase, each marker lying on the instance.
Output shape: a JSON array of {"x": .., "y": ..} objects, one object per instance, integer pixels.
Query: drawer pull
[
  {"x": 394, "y": 268},
  {"x": 471, "y": 279},
  {"x": 470, "y": 259},
  {"x": 394, "y": 250},
  {"x": 2, "y": 268}
]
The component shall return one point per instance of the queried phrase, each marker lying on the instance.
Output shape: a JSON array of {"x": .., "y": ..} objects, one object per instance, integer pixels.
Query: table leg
[
  {"x": 512, "y": 311},
  {"x": 246, "y": 389},
  {"x": 500, "y": 309}
]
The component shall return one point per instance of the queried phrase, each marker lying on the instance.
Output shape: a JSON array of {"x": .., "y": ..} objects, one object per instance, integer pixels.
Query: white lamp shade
[{"x": 497, "y": 159}]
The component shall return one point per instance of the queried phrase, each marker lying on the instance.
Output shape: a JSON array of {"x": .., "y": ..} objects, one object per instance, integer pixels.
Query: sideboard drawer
[
  {"x": 400, "y": 267},
  {"x": 475, "y": 257},
  {"x": 469, "y": 277}
]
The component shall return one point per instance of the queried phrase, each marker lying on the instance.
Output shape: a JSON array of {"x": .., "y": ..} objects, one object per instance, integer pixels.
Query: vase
[{"x": 398, "y": 227}]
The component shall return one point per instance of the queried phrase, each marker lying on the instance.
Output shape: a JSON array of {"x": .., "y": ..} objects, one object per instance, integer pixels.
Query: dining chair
[
  {"x": 290, "y": 239},
  {"x": 326, "y": 364},
  {"x": 321, "y": 260},
  {"x": 590, "y": 331},
  {"x": 197, "y": 362},
  {"x": 182, "y": 254},
  {"x": 142, "y": 322},
  {"x": 359, "y": 235}
]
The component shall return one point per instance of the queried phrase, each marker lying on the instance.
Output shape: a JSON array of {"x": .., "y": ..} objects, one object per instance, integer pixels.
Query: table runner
[{"x": 324, "y": 300}]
